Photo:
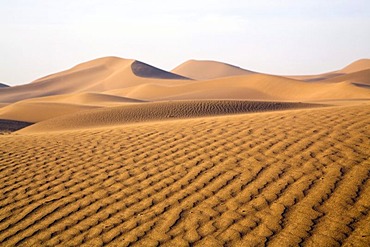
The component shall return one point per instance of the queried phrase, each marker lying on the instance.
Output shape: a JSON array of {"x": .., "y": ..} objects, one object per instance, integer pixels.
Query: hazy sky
[{"x": 39, "y": 37}]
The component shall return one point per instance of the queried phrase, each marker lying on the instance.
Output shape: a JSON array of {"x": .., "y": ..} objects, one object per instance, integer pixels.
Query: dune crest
[
  {"x": 98, "y": 75},
  {"x": 158, "y": 111},
  {"x": 40, "y": 109},
  {"x": 206, "y": 69},
  {"x": 248, "y": 87},
  {"x": 361, "y": 64}
]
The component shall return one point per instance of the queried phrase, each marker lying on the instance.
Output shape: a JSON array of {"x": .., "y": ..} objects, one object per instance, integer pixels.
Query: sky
[{"x": 40, "y": 37}]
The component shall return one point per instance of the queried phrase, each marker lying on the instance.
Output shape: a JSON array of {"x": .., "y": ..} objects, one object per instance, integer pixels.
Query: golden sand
[{"x": 277, "y": 179}]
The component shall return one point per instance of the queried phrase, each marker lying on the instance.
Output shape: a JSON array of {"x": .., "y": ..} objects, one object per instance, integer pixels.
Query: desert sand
[
  {"x": 116, "y": 152},
  {"x": 205, "y": 70}
]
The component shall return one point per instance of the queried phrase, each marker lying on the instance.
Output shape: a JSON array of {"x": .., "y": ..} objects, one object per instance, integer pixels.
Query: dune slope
[
  {"x": 40, "y": 109},
  {"x": 155, "y": 112},
  {"x": 278, "y": 179},
  {"x": 93, "y": 76},
  {"x": 360, "y": 77},
  {"x": 248, "y": 87},
  {"x": 357, "y": 66},
  {"x": 362, "y": 64},
  {"x": 205, "y": 70}
]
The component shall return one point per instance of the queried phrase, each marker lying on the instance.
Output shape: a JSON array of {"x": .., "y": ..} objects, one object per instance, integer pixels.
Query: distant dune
[
  {"x": 157, "y": 111},
  {"x": 204, "y": 70},
  {"x": 39, "y": 109},
  {"x": 358, "y": 78},
  {"x": 357, "y": 66},
  {"x": 362, "y": 64},
  {"x": 113, "y": 81},
  {"x": 249, "y": 87},
  {"x": 93, "y": 76}
]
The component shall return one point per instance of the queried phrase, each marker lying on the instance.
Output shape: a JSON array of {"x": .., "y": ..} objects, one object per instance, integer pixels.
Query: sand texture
[
  {"x": 158, "y": 111},
  {"x": 298, "y": 177}
]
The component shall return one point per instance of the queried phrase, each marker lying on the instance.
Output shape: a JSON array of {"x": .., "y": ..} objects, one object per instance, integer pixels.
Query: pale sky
[{"x": 39, "y": 37}]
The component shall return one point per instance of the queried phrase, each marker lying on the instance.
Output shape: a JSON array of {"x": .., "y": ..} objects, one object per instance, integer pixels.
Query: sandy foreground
[{"x": 283, "y": 178}]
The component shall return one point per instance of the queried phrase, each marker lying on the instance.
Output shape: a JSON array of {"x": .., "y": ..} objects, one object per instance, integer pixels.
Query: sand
[
  {"x": 158, "y": 111},
  {"x": 98, "y": 75},
  {"x": 43, "y": 108},
  {"x": 284, "y": 178},
  {"x": 116, "y": 152},
  {"x": 205, "y": 70}
]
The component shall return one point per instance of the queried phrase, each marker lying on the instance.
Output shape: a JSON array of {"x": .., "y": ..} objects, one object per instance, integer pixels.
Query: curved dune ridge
[
  {"x": 357, "y": 66},
  {"x": 40, "y": 109},
  {"x": 157, "y": 111},
  {"x": 360, "y": 77},
  {"x": 93, "y": 76},
  {"x": 248, "y": 87},
  {"x": 362, "y": 64},
  {"x": 269, "y": 179},
  {"x": 205, "y": 70}
]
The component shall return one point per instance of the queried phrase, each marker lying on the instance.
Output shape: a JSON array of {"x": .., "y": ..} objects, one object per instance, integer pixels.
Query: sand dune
[
  {"x": 249, "y": 87},
  {"x": 278, "y": 179},
  {"x": 97, "y": 99},
  {"x": 357, "y": 66},
  {"x": 360, "y": 77},
  {"x": 362, "y": 64},
  {"x": 134, "y": 79},
  {"x": 40, "y": 109},
  {"x": 155, "y": 112},
  {"x": 204, "y": 70},
  {"x": 93, "y": 76}
]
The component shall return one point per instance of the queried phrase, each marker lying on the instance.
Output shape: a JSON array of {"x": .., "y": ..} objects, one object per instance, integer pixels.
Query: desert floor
[{"x": 281, "y": 178}]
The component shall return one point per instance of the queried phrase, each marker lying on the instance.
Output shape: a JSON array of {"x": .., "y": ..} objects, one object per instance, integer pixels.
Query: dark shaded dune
[
  {"x": 11, "y": 125},
  {"x": 145, "y": 70},
  {"x": 3, "y": 85},
  {"x": 159, "y": 111}
]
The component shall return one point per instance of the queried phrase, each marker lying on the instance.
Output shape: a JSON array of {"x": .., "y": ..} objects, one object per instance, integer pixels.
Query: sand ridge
[
  {"x": 158, "y": 111},
  {"x": 286, "y": 178},
  {"x": 98, "y": 75},
  {"x": 356, "y": 66},
  {"x": 248, "y": 87},
  {"x": 205, "y": 70}
]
